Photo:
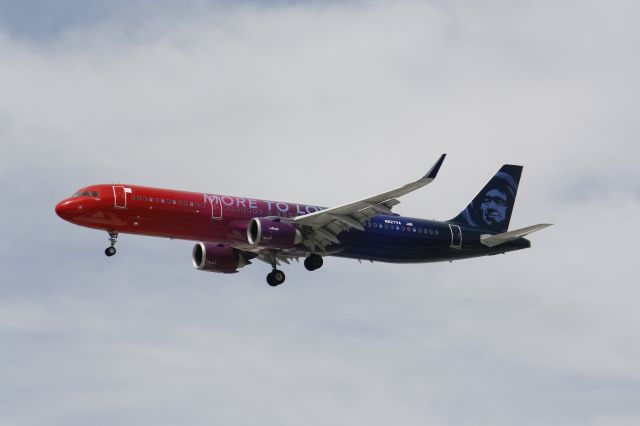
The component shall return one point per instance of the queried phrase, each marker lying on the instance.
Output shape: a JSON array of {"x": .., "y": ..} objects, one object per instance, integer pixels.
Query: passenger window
[
  {"x": 138, "y": 198},
  {"x": 397, "y": 228},
  {"x": 157, "y": 199},
  {"x": 402, "y": 228},
  {"x": 191, "y": 203},
  {"x": 133, "y": 197},
  {"x": 386, "y": 226},
  {"x": 144, "y": 198},
  {"x": 174, "y": 202}
]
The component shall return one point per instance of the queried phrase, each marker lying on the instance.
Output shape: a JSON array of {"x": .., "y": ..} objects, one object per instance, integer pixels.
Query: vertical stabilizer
[{"x": 491, "y": 209}]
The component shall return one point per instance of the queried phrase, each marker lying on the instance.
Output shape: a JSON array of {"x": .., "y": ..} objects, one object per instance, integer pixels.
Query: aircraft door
[
  {"x": 216, "y": 207},
  {"x": 120, "y": 196},
  {"x": 456, "y": 236}
]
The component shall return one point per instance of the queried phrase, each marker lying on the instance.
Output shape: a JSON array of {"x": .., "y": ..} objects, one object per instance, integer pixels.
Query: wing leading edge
[{"x": 326, "y": 224}]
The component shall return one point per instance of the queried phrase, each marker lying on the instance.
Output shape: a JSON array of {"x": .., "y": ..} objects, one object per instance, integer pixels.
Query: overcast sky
[{"x": 321, "y": 103}]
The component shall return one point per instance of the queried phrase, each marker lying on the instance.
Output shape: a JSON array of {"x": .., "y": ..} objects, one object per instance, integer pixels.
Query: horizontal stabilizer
[{"x": 495, "y": 240}]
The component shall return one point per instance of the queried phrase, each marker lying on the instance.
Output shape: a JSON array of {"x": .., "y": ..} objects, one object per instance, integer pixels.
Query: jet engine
[
  {"x": 272, "y": 232},
  {"x": 217, "y": 258}
]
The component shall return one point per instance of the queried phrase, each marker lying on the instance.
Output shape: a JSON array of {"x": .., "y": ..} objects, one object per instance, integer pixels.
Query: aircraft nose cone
[{"x": 68, "y": 209}]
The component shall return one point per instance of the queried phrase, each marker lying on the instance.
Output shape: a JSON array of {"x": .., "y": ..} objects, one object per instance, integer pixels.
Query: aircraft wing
[
  {"x": 327, "y": 224},
  {"x": 494, "y": 240}
]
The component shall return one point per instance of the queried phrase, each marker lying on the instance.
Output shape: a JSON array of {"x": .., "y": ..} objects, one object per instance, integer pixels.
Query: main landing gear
[
  {"x": 113, "y": 238},
  {"x": 275, "y": 277},
  {"x": 313, "y": 262}
]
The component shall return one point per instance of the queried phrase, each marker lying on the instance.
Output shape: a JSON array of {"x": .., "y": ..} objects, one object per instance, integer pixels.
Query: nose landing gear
[{"x": 113, "y": 238}]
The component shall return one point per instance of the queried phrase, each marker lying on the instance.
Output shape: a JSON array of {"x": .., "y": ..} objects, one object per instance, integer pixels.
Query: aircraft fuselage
[{"x": 224, "y": 219}]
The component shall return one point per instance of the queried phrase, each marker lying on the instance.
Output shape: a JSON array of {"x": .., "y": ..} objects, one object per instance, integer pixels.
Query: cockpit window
[{"x": 85, "y": 194}]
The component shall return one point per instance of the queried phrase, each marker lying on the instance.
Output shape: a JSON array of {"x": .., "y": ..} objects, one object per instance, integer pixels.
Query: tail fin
[{"x": 491, "y": 209}]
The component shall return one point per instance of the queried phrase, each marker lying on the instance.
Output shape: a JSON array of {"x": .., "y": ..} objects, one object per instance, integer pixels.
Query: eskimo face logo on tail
[
  {"x": 491, "y": 209},
  {"x": 494, "y": 207}
]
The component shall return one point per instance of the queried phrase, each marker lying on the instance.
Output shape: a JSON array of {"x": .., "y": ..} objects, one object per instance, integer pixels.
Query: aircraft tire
[
  {"x": 270, "y": 280},
  {"x": 313, "y": 262},
  {"x": 275, "y": 278},
  {"x": 110, "y": 251}
]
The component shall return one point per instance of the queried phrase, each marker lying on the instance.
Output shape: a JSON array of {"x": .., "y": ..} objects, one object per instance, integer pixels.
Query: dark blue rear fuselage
[{"x": 401, "y": 239}]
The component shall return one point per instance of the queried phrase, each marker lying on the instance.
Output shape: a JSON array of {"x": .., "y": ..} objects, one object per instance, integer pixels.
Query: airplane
[{"x": 232, "y": 231}]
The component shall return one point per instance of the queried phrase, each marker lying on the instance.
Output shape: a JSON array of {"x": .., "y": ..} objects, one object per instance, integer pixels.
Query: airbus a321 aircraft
[{"x": 235, "y": 230}]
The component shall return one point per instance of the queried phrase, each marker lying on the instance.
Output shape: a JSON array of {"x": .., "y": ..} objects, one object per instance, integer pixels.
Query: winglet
[{"x": 433, "y": 172}]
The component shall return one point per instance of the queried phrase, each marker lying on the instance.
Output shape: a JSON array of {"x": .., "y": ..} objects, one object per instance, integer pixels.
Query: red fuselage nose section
[{"x": 72, "y": 208}]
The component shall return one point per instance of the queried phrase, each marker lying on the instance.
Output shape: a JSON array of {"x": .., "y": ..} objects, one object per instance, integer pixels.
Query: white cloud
[{"x": 325, "y": 103}]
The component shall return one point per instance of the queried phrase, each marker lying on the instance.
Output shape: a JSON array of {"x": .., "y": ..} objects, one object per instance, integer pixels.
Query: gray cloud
[{"x": 322, "y": 103}]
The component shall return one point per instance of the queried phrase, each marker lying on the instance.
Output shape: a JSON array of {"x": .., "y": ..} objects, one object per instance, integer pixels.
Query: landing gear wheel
[
  {"x": 313, "y": 262},
  {"x": 113, "y": 238},
  {"x": 275, "y": 278}
]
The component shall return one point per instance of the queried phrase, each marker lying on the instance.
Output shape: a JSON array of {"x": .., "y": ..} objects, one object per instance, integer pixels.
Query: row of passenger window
[
  {"x": 243, "y": 210},
  {"x": 401, "y": 228},
  {"x": 258, "y": 212},
  {"x": 367, "y": 224},
  {"x": 167, "y": 201},
  {"x": 202, "y": 205}
]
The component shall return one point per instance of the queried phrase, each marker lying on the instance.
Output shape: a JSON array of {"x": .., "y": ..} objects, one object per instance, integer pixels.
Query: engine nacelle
[
  {"x": 273, "y": 232},
  {"x": 217, "y": 258}
]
